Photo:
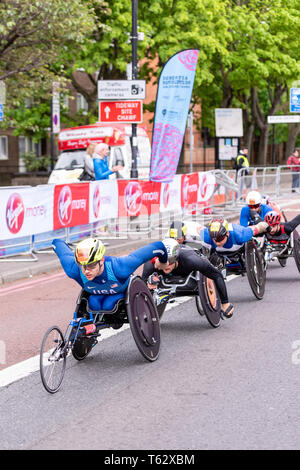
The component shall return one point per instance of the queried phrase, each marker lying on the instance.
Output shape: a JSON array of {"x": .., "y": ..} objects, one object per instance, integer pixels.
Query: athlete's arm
[
  {"x": 290, "y": 226},
  {"x": 244, "y": 216},
  {"x": 125, "y": 266},
  {"x": 67, "y": 260}
]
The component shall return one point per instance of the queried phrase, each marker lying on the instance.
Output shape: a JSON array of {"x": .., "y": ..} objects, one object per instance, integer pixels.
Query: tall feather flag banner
[{"x": 173, "y": 98}]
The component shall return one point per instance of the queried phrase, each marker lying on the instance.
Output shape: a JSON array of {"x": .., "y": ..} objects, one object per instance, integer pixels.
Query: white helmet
[
  {"x": 253, "y": 198},
  {"x": 172, "y": 247}
]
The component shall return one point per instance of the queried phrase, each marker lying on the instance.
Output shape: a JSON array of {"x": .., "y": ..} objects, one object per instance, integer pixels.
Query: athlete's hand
[{"x": 262, "y": 227}]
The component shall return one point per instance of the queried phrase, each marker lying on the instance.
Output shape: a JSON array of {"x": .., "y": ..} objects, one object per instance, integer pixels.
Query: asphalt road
[{"x": 234, "y": 387}]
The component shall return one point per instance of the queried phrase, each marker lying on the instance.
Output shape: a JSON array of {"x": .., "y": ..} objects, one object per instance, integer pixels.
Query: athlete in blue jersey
[
  {"x": 105, "y": 278},
  {"x": 254, "y": 211},
  {"x": 223, "y": 237}
]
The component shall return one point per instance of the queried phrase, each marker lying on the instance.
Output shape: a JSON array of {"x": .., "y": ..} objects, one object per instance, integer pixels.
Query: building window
[
  {"x": 3, "y": 147},
  {"x": 82, "y": 103},
  {"x": 27, "y": 145}
]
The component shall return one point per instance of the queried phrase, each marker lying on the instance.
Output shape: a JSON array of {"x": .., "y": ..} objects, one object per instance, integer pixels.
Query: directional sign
[
  {"x": 280, "y": 119},
  {"x": 121, "y": 89},
  {"x": 1, "y": 112},
  {"x": 295, "y": 100},
  {"x": 121, "y": 111}
]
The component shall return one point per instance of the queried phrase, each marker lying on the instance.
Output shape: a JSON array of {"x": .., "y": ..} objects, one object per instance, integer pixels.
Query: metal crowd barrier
[{"x": 272, "y": 181}]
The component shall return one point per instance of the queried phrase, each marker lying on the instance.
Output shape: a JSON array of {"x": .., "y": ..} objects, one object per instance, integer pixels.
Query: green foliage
[{"x": 34, "y": 163}]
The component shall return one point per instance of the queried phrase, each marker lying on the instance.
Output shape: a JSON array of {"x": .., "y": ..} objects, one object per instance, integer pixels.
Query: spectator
[
  {"x": 88, "y": 173},
  {"x": 291, "y": 162},
  {"x": 243, "y": 163},
  {"x": 101, "y": 168}
]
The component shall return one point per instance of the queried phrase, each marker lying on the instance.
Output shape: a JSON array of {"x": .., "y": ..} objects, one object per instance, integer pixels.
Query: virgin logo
[
  {"x": 96, "y": 202},
  {"x": 133, "y": 198},
  {"x": 187, "y": 188},
  {"x": 166, "y": 195},
  {"x": 203, "y": 187},
  {"x": 65, "y": 205},
  {"x": 15, "y": 213}
]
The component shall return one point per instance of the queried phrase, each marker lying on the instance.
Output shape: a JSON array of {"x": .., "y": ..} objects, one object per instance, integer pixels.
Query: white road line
[{"x": 29, "y": 366}]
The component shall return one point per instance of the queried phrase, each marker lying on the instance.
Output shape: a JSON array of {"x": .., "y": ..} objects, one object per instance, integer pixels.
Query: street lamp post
[{"x": 134, "y": 42}]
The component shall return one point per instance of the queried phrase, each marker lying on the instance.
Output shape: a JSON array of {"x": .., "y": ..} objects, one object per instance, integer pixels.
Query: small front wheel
[{"x": 53, "y": 359}]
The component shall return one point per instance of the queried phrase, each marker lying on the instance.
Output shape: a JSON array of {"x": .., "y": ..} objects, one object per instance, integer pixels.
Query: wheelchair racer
[
  {"x": 181, "y": 262},
  {"x": 223, "y": 237},
  {"x": 279, "y": 232},
  {"x": 185, "y": 232},
  {"x": 255, "y": 210},
  {"x": 104, "y": 277}
]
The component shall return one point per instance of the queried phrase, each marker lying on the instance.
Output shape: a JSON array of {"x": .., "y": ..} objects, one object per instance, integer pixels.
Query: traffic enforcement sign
[
  {"x": 121, "y": 111},
  {"x": 121, "y": 89},
  {"x": 294, "y": 100}
]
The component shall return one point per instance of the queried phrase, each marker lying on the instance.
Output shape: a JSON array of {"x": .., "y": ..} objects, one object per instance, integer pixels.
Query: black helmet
[
  {"x": 177, "y": 229},
  {"x": 218, "y": 229}
]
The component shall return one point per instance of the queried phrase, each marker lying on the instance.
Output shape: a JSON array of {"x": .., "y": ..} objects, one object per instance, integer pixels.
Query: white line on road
[{"x": 23, "y": 369}]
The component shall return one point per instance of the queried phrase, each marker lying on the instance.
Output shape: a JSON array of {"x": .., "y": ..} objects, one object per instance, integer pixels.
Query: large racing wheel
[
  {"x": 255, "y": 269},
  {"x": 209, "y": 299},
  {"x": 296, "y": 250},
  {"x": 143, "y": 318}
]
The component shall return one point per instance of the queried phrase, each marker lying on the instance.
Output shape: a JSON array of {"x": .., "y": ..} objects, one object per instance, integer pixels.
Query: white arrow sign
[{"x": 107, "y": 111}]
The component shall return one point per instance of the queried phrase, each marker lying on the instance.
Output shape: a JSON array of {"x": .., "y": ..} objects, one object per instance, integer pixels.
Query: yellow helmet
[{"x": 89, "y": 251}]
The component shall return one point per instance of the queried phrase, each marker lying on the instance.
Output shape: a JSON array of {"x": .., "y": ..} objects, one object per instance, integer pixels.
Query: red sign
[
  {"x": 121, "y": 111},
  {"x": 71, "y": 205},
  {"x": 138, "y": 197}
]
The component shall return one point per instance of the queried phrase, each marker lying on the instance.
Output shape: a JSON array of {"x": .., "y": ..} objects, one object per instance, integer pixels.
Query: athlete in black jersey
[{"x": 187, "y": 261}]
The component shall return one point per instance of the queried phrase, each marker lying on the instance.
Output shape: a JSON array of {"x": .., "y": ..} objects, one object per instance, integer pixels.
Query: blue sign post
[
  {"x": 1, "y": 112},
  {"x": 295, "y": 100}
]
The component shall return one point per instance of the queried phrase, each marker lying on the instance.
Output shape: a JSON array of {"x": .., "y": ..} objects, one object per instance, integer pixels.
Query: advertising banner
[
  {"x": 206, "y": 186},
  {"x": 25, "y": 211},
  {"x": 103, "y": 200},
  {"x": 71, "y": 205},
  {"x": 189, "y": 189},
  {"x": 172, "y": 106},
  {"x": 170, "y": 195},
  {"x": 138, "y": 198}
]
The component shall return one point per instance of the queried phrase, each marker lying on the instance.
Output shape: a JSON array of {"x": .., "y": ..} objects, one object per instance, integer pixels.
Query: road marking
[
  {"x": 29, "y": 366},
  {"x": 29, "y": 284}
]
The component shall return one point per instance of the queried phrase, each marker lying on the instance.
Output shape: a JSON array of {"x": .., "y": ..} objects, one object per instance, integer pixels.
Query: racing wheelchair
[
  {"x": 194, "y": 285},
  {"x": 247, "y": 260},
  {"x": 282, "y": 252},
  {"x": 137, "y": 308}
]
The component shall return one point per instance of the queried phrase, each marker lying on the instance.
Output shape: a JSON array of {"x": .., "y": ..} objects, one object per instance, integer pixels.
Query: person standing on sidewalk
[{"x": 293, "y": 163}]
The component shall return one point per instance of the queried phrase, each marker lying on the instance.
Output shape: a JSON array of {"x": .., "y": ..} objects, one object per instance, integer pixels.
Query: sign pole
[{"x": 134, "y": 39}]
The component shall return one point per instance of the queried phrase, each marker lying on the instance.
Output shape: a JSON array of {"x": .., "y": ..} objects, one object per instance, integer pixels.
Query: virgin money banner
[
  {"x": 103, "y": 200},
  {"x": 170, "y": 195},
  {"x": 206, "y": 186},
  {"x": 25, "y": 211},
  {"x": 172, "y": 106},
  {"x": 138, "y": 198},
  {"x": 189, "y": 189},
  {"x": 71, "y": 205}
]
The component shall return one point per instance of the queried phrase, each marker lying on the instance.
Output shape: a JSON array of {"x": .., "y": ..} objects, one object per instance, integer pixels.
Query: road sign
[
  {"x": 283, "y": 119},
  {"x": 121, "y": 111},
  {"x": 1, "y": 112},
  {"x": 295, "y": 100},
  {"x": 55, "y": 108},
  {"x": 121, "y": 89}
]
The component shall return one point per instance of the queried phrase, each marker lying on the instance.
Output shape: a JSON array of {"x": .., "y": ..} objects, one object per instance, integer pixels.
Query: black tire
[
  {"x": 282, "y": 261},
  {"x": 296, "y": 249},
  {"x": 209, "y": 300},
  {"x": 161, "y": 309},
  {"x": 199, "y": 305},
  {"x": 255, "y": 269},
  {"x": 52, "y": 359},
  {"x": 82, "y": 347},
  {"x": 143, "y": 318}
]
